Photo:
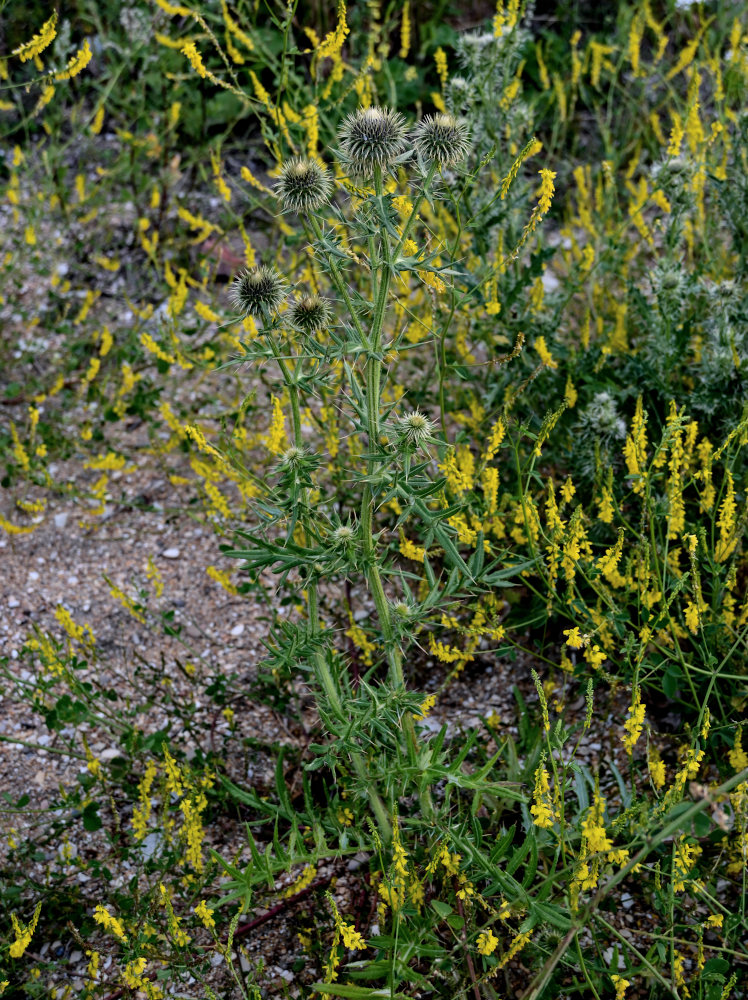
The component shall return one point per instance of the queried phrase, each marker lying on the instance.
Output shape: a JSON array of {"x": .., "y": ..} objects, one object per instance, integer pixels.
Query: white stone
[
  {"x": 172, "y": 553},
  {"x": 61, "y": 519},
  {"x": 237, "y": 630}
]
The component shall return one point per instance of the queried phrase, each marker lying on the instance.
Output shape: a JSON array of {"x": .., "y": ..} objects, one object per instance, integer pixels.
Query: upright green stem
[
  {"x": 338, "y": 282},
  {"x": 322, "y": 669},
  {"x": 373, "y": 393}
]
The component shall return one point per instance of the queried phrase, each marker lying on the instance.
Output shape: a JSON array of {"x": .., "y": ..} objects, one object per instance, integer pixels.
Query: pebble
[
  {"x": 13, "y": 602},
  {"x": 61, "y": 520},
  {"x": 172, "y": 553},
  {"x": 237, "y": 630}
]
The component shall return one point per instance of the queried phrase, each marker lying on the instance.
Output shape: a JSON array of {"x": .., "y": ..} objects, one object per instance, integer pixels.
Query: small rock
[
  {"x": 13, "y": 602},
  {"x": 33, "y": 575},
  {"x": 150, "y": 844},
  {"x": 237, "y": 629},
  {"x": 61, "y": 519},
  {"x": 75, "y": 956},
  {"x": 170, "y": 553}
]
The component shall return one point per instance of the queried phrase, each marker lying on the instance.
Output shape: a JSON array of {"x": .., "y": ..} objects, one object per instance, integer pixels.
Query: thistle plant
[{"x": 312, "y": 339}]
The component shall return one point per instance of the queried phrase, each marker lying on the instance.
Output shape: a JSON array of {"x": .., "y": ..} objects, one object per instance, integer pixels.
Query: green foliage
[{"x": 470, "y": 403}]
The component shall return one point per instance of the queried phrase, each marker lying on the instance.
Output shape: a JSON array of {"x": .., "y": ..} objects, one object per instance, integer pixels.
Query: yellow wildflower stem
[{"x": 582, "y": 919}]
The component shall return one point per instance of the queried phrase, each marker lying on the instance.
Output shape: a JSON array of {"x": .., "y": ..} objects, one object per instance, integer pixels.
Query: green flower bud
[
  {"x": 304, "y": 185},
  {"x": 258, "y": 290},
  {"x": 441, "y": 139},
  {"x": 309, "y": 313},
  {"x": 372, "y": 137}
]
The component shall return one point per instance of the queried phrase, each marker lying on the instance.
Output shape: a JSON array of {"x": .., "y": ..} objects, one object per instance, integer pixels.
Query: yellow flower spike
[
  {"x": 737, "y": 756},
  {"x": 635, "y": 723},
  {"x": 405, "y": 31},
  {"x": 77, "y": 63},
  {"x": 542, "y": 808},
  {"x": 23, "y": 934},
  {"x": 39, "y": 42},
  {"x": 277, "y": 440},
  {"x": 440, "y": 60},
  {"x": 515, "y": 948},
  {"x": 205, "y": 914},
  {"x": 109, "y": 923},
  {"x": 621, "y": 985},
  {"x": 487, "y": 942},
  {"x": 331, "y": 45}
]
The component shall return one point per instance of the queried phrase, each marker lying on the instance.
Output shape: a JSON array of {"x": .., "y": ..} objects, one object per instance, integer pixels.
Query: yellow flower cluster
[
  {"x": 23, "y": 934},
  {"x": 39, "y": 42},
  {"x": 109, "y": 923},
  {"x": 189, "y": 49},
  {"x": 77, "y": 63},
  {"x": 542, "y": 808}
]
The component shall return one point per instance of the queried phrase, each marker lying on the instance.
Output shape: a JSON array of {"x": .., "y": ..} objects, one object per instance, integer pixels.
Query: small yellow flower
[
  {"x": 574, "y": 640},
  {"x": 189, "y": 49},
  {"x": 621, "y": 985},
  {"x": 23, "y": 934},
  {"x": 351, "y": 937},
  {"x": 109, "y": 923},
  {"x": 487, "y": 942},
  {"x": 542, "y": 806},
  {"x": 205, "y": 914}
]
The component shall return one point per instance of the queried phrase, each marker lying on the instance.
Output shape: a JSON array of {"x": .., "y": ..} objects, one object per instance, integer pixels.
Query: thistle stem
[
  {"x": 321, "y": 666},
  {"x": 338, "y": 282},
  {"x": 373, "y": 393}
]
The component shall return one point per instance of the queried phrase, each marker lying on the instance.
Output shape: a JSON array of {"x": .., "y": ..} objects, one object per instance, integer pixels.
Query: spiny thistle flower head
[
  {"x": 602, "y": 419},
  {"x": 403, "y": 609},
  {"x": 372, "y": 137},
  {"x": 472, "y": 47},
  {"x": 460, "y": 93},
  {"x": 668, "y": 281},
  {"x": 343, "y": 535},
  {"x": 304, "y": 185},
  {"x": 414, "y": 429},
  {"x": 441, "y": 139},
  {"x": 293, "y": 457},
  {"x": 725, "y": 294},
  {"x": 309, "y": 313},
  {"x": 258, "y": 290}
]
